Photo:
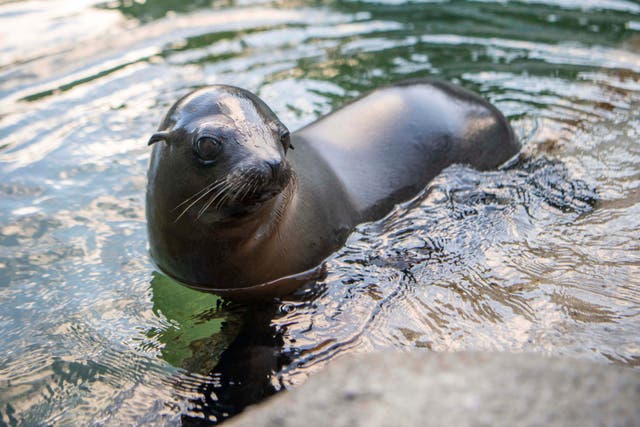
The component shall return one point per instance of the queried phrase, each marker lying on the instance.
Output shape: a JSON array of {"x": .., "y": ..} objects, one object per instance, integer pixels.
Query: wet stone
[{"x": 456, "y": 389}]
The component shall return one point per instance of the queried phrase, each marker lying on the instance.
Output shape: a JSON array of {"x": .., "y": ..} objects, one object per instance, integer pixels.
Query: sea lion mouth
[
  {"x": 261, "y": 196},
  {"x": 258, "y": 193},
  {"x": 250, "y": 202}
]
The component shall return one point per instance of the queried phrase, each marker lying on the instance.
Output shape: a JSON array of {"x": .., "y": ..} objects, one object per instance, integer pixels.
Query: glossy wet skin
[
  {"x": 230, "y": 207},
  {"x": 234, "y": 149}
]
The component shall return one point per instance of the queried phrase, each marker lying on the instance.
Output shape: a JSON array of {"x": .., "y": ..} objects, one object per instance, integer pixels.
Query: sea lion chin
[{"x": 232, "y": 208}]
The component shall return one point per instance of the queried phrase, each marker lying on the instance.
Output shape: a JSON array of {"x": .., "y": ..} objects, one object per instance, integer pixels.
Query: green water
[{"x": 542, "y": 255}]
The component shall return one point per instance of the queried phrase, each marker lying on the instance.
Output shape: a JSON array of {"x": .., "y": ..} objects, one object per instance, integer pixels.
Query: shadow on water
[
  {"x": 234, "y": 345},
  {"x": 246, "y": 372}
]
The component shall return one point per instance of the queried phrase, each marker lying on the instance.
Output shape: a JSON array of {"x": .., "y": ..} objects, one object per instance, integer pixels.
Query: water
[{"x": 542, "y": 255}]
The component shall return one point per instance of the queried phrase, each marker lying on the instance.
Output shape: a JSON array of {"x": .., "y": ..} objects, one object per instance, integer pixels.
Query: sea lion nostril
[{"x": 275, "y": 165}]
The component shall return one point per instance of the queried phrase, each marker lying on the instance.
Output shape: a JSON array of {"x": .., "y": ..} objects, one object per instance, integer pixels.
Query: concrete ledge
[{"x": 455, "y": 389}]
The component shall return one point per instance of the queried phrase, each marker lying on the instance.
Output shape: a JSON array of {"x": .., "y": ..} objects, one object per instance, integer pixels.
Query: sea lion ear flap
[{"x": 158, "y": 136}]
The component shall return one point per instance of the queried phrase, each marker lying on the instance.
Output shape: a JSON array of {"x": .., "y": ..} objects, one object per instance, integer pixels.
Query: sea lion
[{"x": 238, "y": 206}]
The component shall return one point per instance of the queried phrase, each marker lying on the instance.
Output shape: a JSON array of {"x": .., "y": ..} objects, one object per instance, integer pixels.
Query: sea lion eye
[{"x": 207, "y": 148}]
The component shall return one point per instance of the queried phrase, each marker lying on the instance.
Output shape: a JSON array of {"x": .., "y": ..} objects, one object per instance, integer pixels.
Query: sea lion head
[{"x": 218, "y": 156}]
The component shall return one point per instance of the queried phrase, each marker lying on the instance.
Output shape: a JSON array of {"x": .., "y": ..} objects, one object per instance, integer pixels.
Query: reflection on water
[{"x": 542, "y": 255}]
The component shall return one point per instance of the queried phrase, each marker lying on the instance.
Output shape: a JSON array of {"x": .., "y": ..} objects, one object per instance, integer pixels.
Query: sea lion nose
[{"x": 274, "y": 165}]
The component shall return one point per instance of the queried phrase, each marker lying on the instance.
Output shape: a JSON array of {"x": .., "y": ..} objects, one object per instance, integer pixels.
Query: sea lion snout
[
  {"x": 275, "y": 167},
  {"x": 262, "y": 180}
]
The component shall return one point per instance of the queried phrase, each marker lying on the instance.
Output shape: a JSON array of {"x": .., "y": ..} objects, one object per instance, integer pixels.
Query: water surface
[{"x": 542, "y": 255}]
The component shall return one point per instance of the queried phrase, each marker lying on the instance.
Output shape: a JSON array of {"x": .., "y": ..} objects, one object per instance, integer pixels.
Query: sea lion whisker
[
  {"x": 205, "y": 189},
  {"x": 222, "y": 200},
  {"x": 246, "y": 188},
  {"x": 209, "y": 203},
  {"x": 253, "y": 185},
  {"x": 191, "y": 205},
  {"x": 237, "y": 193},
  {"x": 213, "y": 188},
  {"x": 240, "y": 191},
  {"x": 224, "y": 190},
  {"x": 201, "y": 193}
]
